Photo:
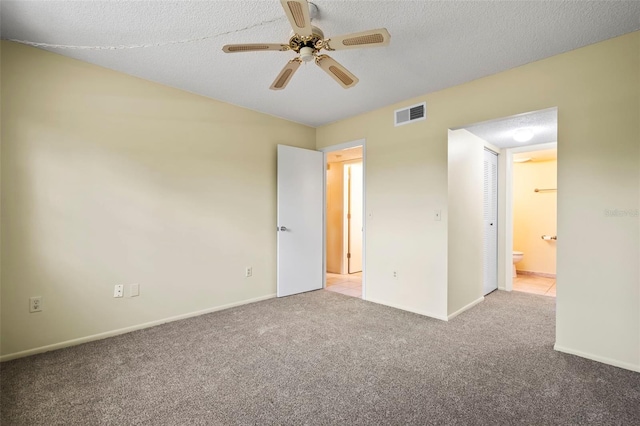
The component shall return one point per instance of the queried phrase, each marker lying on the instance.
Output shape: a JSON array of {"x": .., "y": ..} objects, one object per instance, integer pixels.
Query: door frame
[
  {"x": 505, "y": 274},
  {"x": 346, "y": 238},
  {"x": 325, "y": 151}
]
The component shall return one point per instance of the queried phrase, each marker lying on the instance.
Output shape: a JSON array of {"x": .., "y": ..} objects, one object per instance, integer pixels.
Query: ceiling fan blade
[
  {"x": 298, "y": 13},
  {"x": 285, "y": 75},
  {"x": 337, "y": 71},
  {"x": 254, "y": 47},
  {"x": 371, "y": 38}
]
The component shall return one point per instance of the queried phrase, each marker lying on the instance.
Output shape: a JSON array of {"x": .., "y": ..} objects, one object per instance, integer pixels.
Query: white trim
[
  {"x": 602, "y": 359},
  {"x": 464, "y": 308},
  {"x": 339, "y": 147},
  {"x": 364, "y": 218},
  {"x": 506, "y": 271},
  {"x": 408, "y": 309},
  {"x": 537, "y": 274},
  {"x": 112, "y": 333},
  {"x": 324, "y": 220}
]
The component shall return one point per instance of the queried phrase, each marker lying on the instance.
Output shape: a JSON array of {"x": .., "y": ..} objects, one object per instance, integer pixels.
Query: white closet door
[{"x": 490, "y": 282}]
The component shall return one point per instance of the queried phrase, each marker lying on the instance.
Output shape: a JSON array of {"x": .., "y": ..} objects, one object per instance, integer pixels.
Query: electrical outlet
[
  {"x": 35, "y": 304},
  {"x": 395, "y": 274},
  {"x": 134, "y": 290},
  {"x": 248, "y": 272},
  {"x": 118, "y": 291}
]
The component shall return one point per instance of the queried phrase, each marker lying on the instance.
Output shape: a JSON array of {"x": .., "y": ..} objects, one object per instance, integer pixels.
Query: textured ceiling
[
  {"x": 543, "y": 125},
  {"x": 434, "y": 45}
]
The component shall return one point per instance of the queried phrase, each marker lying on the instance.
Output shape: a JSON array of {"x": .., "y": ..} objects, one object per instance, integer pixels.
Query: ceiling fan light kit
[
  {"x": 307, "y": 41},
  {"x": 306, "y": 54}
]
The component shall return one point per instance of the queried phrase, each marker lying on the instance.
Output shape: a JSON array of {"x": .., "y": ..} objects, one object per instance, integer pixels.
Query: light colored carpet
[{"x": 325, "y": 358}]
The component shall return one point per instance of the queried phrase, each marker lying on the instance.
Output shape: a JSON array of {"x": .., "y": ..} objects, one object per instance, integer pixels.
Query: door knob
[{"x": 283, "y": 228}]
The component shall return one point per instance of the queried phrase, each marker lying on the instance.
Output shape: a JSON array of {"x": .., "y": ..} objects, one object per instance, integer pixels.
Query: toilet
[{"x": 517, "y": 257}]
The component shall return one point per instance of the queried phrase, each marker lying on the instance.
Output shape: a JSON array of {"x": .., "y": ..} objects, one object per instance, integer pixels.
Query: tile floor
[
  {"x": 349, "y": 285},
  {"x": 535, "y": 284}
]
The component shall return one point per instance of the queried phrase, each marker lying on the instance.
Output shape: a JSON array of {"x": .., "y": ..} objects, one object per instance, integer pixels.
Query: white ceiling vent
[{"x": 410, "y": 114}]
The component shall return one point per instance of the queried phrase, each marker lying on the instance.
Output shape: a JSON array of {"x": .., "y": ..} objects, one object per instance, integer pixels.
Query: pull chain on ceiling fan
[{"x": 308, "y": 40}]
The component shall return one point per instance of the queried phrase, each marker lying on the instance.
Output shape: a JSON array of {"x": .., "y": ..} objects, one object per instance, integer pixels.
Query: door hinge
[
  {"x": 348, "y": 255},
  {"x": 349, "y": 216}
]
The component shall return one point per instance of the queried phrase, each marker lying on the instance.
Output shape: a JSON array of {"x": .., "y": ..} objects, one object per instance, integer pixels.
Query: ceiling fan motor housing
[{"x": 297, "y": 42}]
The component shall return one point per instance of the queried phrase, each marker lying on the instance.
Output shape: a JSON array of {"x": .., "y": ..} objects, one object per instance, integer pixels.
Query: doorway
[
  {"x": 302, "y": 222},
  {"x": 534, "y": 195},
  {"x": 344, "y": 220},
  {"x": 530, "y": 132}
]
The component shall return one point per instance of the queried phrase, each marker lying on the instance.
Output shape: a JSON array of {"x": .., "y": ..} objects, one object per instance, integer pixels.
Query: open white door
[{"x": 300, "y": 220}]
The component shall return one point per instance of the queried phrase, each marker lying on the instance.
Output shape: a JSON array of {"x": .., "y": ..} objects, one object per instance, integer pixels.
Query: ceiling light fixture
[
  {"x": 522, "y": 160},
  {"x": 306, "y": 54},
  {"x": 523, "y": 135}
]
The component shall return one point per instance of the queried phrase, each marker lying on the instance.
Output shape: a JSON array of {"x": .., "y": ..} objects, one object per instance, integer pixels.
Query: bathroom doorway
[
  {"x": 534, "y": 195},
  {"x": 344, "y": 221},
  {"x": 508, "y": 137}
]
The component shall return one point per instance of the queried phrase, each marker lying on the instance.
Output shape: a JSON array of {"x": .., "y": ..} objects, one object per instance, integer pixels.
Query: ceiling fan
[{"x": 308, "y": 40}]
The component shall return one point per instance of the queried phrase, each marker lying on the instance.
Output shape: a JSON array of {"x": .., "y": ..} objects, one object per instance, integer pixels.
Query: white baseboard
[
  {"x": 464, "y": 308},
  {"x": 602, "y": 359},
  {"x": 537, "y": 274},
  {"x": 405, "y": 308},
  {"x": 99, "y": 336}
]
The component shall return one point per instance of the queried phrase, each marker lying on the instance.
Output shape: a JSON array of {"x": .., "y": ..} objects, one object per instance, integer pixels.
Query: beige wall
[
  {"x": 597, "y": 92},
  {"x": 108, "y": 179},
  {"x": 335, "y": 214},
  {"x": 466, "y": 224},
  {"x": 534, "y": 215},
  {"x": 406, "y": 180}
]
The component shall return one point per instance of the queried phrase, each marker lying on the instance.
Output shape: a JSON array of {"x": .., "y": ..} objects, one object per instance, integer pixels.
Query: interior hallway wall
[
  {"x": 466, "y": 224},
  {"x": 534, "y": 215},
  {"x": 596, "y": 90},
  {"x": 109, "y": 179}
]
